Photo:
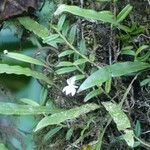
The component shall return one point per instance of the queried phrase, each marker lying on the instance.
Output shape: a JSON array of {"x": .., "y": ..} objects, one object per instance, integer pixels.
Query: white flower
[
  {"x": 71, "y": 88},
  {"x": 5, "y": 51}
]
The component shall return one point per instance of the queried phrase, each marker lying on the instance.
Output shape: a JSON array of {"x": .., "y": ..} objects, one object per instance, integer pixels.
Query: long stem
[{"x": 74, "y": 49}]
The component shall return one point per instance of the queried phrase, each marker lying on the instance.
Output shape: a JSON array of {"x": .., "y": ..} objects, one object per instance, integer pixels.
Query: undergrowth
[{"x": 91, "y": 61}]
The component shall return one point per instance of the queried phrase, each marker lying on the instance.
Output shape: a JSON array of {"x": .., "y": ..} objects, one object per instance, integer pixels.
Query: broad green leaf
[
  {"x": 92, "y": 94},
  {"x": 73, "y": 113},
  {"x": 65, "y": 53},
  {"x": 129, "y": 137},
  {"x": 124, "y": 13},
  {"x": 80, "y": 61},
  {"x": 4, "y": 68},
  {"x": 105, "y": 16},
  {"x": 125, "y": 68},
  {"x": 119, "y": 117},
  {"x": 61, "y": 22},
  {"x": 51, "y": 133},
  {"x": 64, "y": 64},
  {"x": 65, "y": 70},
  {"x": 24, "y": 58},
  {"x": 72, "y": 34},
  {"x": 3, "y": 147},
  {"x": 97, "y": 78},
  {"x": 34, "y": 26},
  {"x": 115, "y": 70},
  {"x": 17, "y": 109},
  {"x": 29, "y": 102},
  {"x": 121, "y": 120}
]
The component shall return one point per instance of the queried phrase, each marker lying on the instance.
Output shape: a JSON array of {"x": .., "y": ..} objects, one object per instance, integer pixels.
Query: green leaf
[
  {"x": 64, "y": 64},
  {"x": 69, "y": 134},
  {"x": 73, "y": 113},
  {"x": 65, "y": 28},
  {"x": 29, "y": 102},
  {"x": 145, "y": 81},
  {"x": 121, "y": 120},
  {"x": 108, "y": 85},
  {"x": 125, "y": 68},
  {"x": 97, "y": 78},
  {"x": 115, "y": 70},
  {"x": 24, "y": 58},
  {"x": 92, "y": 94},
  {"x": 128, "y": 50},
  {"x": 83, "y": 49},
  {"x": 4, "y": 68},
  {"x": 51, "y": 37},
  {"x": 119, "y": 117},
  {"x": 3, "y": 147},
  {"x": 17, "y": 109},
  {"x": 124, "y": 13},
  {"x": 61, "y": 22},
  {"x": 140, "y": 49},
  {"x": 79, "y": 77},
  {"x": 105, "y": 16},
  {"x": 129, "y": 137},
  {"x": 51, "y": 133},
  {"x": 137, "y": 128},
  {"x": 65, "y": 70},
  {"x": 72, "y": 34},
  {"x": 65, "y": 53},
  {"x": 80, "y": 61},
  {"x": 53, "y": 40},
  {"x": 34, "y": 26}
]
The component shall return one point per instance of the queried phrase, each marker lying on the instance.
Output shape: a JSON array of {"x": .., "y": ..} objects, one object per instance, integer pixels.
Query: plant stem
[{"x": 74, "y": 49}]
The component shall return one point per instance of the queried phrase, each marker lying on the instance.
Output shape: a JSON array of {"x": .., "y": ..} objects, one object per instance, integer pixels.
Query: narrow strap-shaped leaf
[
  {"x": 34, "y": 26},
  {"x": 124, "y": 13},
  {"x": 24, "y": 58},
  {"x": 72, "y": 34},
  {"x": 65, "y": 53},
  {"x": 61, "y": 22},
  {"x": 105, "y": 16},
  {"x": 73, "y": 113},
  {"x": 29, "y": 102},
  {"x": 64, "y": 64},
  {"x": 80, "y": 61},
  {"x": 65, "y": 70},
  {"x": 4, "y": 68},
  {"x": 17, "y": 109},
  {"x": 92, "y": 94}
]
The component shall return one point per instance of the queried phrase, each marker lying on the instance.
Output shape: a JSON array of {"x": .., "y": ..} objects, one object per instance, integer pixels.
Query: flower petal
[{"x": 73, "y": 91}]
